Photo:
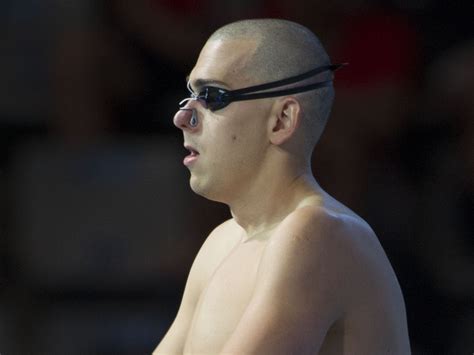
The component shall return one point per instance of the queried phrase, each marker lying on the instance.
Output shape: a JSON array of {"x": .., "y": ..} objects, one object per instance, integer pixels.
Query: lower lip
[{"x": 190, "y": 159}]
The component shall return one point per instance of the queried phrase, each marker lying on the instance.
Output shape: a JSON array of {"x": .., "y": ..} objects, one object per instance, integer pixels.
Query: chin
[
  {"x": 199, "y": 186},
  {"x": 205, "y": 189}
]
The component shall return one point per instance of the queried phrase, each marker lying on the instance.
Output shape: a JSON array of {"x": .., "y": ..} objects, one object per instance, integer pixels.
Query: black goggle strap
[
  {"x": 283, "y": 82},
  {"x": 268, "y": 94}
]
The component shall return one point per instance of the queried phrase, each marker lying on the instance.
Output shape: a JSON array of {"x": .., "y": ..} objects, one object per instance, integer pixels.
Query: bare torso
[
  {"x": 231, "y": 283},
  {"x": 316, "y": 282}
]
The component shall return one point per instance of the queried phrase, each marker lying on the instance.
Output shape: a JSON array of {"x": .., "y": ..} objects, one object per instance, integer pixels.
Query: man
[{"x": 294, "y": 271}]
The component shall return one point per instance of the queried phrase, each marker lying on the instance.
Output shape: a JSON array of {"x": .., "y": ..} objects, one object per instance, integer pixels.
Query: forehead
[{"x": 225, "y": 61}]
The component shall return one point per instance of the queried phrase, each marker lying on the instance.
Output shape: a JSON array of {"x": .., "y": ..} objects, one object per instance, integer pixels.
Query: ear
[{"x": 286, "y": 118}]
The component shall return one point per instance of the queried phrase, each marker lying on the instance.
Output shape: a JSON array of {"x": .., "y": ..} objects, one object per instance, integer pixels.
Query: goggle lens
[
  {"x": 211, "y": 98},
  {"x": 215, "y": 98}
]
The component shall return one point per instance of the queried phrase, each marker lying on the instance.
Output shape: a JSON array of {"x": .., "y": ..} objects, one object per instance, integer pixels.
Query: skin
[{"x": 294, "y": 271}]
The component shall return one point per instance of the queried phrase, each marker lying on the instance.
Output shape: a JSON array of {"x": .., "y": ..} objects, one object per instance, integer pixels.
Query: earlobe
[{"x": 285, "y": 121}]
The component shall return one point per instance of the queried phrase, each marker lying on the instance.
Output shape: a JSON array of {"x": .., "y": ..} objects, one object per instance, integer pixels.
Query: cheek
[
  {"x": 245, "y": 145},
  {"x": 241, "y": 139}
]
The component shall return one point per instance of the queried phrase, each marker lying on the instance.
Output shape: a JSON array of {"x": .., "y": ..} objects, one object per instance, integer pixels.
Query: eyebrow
[{"x": 199, "y": 83}]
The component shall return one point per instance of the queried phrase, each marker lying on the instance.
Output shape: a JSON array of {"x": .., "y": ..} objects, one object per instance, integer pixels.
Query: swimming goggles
[{"x": 215, "y": 98}]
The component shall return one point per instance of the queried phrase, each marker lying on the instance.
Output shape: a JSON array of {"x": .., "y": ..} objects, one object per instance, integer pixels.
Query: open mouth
[
  {"x": 192, "y": 150},
  {"x": 193, "y": 154}
]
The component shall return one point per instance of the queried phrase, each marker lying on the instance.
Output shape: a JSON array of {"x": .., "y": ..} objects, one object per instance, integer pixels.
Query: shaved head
[{"x": 285, "y": 49}]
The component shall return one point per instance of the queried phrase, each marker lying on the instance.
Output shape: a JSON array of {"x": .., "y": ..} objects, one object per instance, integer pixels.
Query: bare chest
[{"x": 224, "y": 299}]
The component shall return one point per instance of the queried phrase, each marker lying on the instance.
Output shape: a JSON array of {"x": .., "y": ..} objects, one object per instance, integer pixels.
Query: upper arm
[
  {"x": 173, "y": 341},
  {"x": 204, "y": 264},
  {"x": 299, "y": 292}
]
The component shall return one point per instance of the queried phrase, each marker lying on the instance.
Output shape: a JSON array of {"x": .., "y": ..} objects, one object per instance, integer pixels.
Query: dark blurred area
[{"x": 98, "y": 226}]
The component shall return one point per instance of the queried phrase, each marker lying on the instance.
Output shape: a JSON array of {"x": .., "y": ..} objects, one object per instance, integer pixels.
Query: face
[{"x": 227, "y": 145}]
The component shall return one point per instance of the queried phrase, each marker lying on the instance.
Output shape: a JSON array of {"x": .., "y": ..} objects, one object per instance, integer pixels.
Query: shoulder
[
  {"x": 318, "y": 231},
  {"x": 325, "y": 254}
]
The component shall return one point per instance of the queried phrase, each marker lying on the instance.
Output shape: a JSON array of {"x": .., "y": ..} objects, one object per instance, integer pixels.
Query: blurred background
[{"x": 98, "y": 227}]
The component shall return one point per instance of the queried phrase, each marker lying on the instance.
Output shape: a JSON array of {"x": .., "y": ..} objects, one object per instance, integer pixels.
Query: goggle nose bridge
[{"x": 193, "y": 97}]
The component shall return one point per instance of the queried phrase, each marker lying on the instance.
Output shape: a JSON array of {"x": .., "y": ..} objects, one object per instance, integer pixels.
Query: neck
[{"x": 271, "y": 197}]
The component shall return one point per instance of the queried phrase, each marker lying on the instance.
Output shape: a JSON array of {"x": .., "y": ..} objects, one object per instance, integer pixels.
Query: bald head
[{"x": 285, "y": 49}]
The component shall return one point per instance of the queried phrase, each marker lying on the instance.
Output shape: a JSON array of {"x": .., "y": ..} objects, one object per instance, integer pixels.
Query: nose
[{"x": 186, "y": 119}]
